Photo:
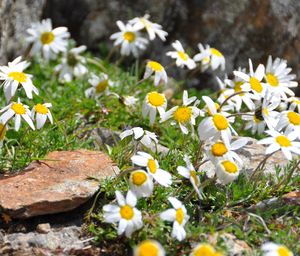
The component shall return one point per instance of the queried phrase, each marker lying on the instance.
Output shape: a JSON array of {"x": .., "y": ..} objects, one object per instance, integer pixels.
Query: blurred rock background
[{"x": 239, "y": 28}]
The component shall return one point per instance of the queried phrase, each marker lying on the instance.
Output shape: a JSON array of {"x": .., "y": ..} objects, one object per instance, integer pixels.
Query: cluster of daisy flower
[
  {"x": 14, "y": 80},
  {"x": 262, "y": 98}
]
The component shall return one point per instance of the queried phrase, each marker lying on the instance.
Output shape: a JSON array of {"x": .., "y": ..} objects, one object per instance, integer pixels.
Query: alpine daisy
[
  {"x": 182, "y": 58},
  {"x": 99, "y": 85},
  {"x": 253, "y": 82},
  {"x": 125, "y": 213},
  {"x": 159, "y": 72},
  {"x": 153, "y": 29},
  {"x": 40, "y": 112},
  {"x": 272, "y": 249},
  {"x": 183, "y": 115},
  {"x": 47, "y": 40},
  {"x": 284, "y": 142},
  {"x": 143, "y": 159},
  {"x": 141, "y": 183},
  {"x": 153, "y": 102},
  {"x": 145, "y": 137},
  {"x": 189, "y": 172},
  {"x": 130, "y": 40},
  {"x": 149, "y": 248},
  {"x": 210, "y": 57},
  {"x": 17, "y": 110},
  {"x": 72, "y": 64},
  {"x": 178, "y": 215},
  {"x": 13, "y": 75},
  {"x": 278, "y": 78}
]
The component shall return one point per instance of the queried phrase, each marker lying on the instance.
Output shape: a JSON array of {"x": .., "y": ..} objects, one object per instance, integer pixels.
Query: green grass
[{"x": 224, "y": 208}]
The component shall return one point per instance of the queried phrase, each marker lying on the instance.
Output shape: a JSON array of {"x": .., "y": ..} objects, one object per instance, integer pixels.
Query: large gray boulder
[{"x": 16, "y": 17}]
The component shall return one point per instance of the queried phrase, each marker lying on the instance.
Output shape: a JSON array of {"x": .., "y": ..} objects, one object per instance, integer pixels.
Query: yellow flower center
[
  {"x": 18, "y": 76},
  {"x": 152, "y": 166},
  {"x": 126, "y": 212},
  {"x": 146, "y": 23},
  {"x": 205, "y": 60},
  {"x": 216, "y": 52},
  {"x": 156, "y": 99},
  {"x": 238, "y": 87},
  {"x": 294, "y": 118},
  {"x": 2, "y": 131},
  {"x": 129, "y": 36},
  {"x": 272, "y": 80},
  {"x": 296, "y": 101},
  {"x": 217, "y": 108},
  {"x": 47, "y": 37},
  {"x": 182, "y": 114},
  {"x": 179, "y": 215},
  {"x": 138, "y": 178},
  {"x": 220, "y": 122},
  {"x": 219, "y": 149},
  {"x": 155, "y": 66},
  {"x": 283, "y": 251},
  {"x": 183, "y": 55},
  {"x": 194, "y": 176},
  {"x": 229, "y": 166},
  {"x": 204, "y": 250},
  {"x": 18, "y": 108},
  {"x": 255, "y": 85},
  {"x": 265, "y": 111},
  {"x": 256, "y": 120},
  {"x": 102, "y": 86},
  {"x": 283, "y": 141},
  {"x": 147, "y": 248},
  {"x": 41, "y": 109}
]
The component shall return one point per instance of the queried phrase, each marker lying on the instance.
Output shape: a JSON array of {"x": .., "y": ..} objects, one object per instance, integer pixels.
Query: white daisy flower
[
  {"x": 289, "y": 120},
  {"x": 154, "y": 102},
  {"x": 183, "y": 115},
  {"x": 143, "y": 159},
  {"x": 149, "y": 248},
  {"x": 130, "y": 101},
  {"x": 46, "y": 40},
  {"x": 227, "y": 171},
  {"x": 182, "y": 58},
  {"x": 41, "y": 112},
  {"x": 130, "y": 40},
  {"x": 215, "y": 150},
  {"x": 178, "y": 215},
  {"x": 253, "y": 82},
  {"x": 216, "y": 125},
  {"x": 141, "y": 183},
  {"x": 17, "y": 110},
  {"x": 99, "y": 85},
  {"x": 204, "y": 249},
  {"x": 125, "y": 213},
  {"x": 158, "y": 70},
  {"x": 246, "y": 98},
  {"x": 284, "y": 142},
  {"x": 153, "y": 29},
  {"x": 189, "y": 172},
  {"x": 13, "y": 75},
  {"x": 255, "y": 122},
  {"x": 72, "y": 64},
  {"x": 210, "y": 57},
  {"x": 268, "y": 109},
  {"x": 279, "y": 79},
  {"x": 294, "y": 103},
  {"x": 145, "y": 137},
  {"x": 272, "y": 249}
]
